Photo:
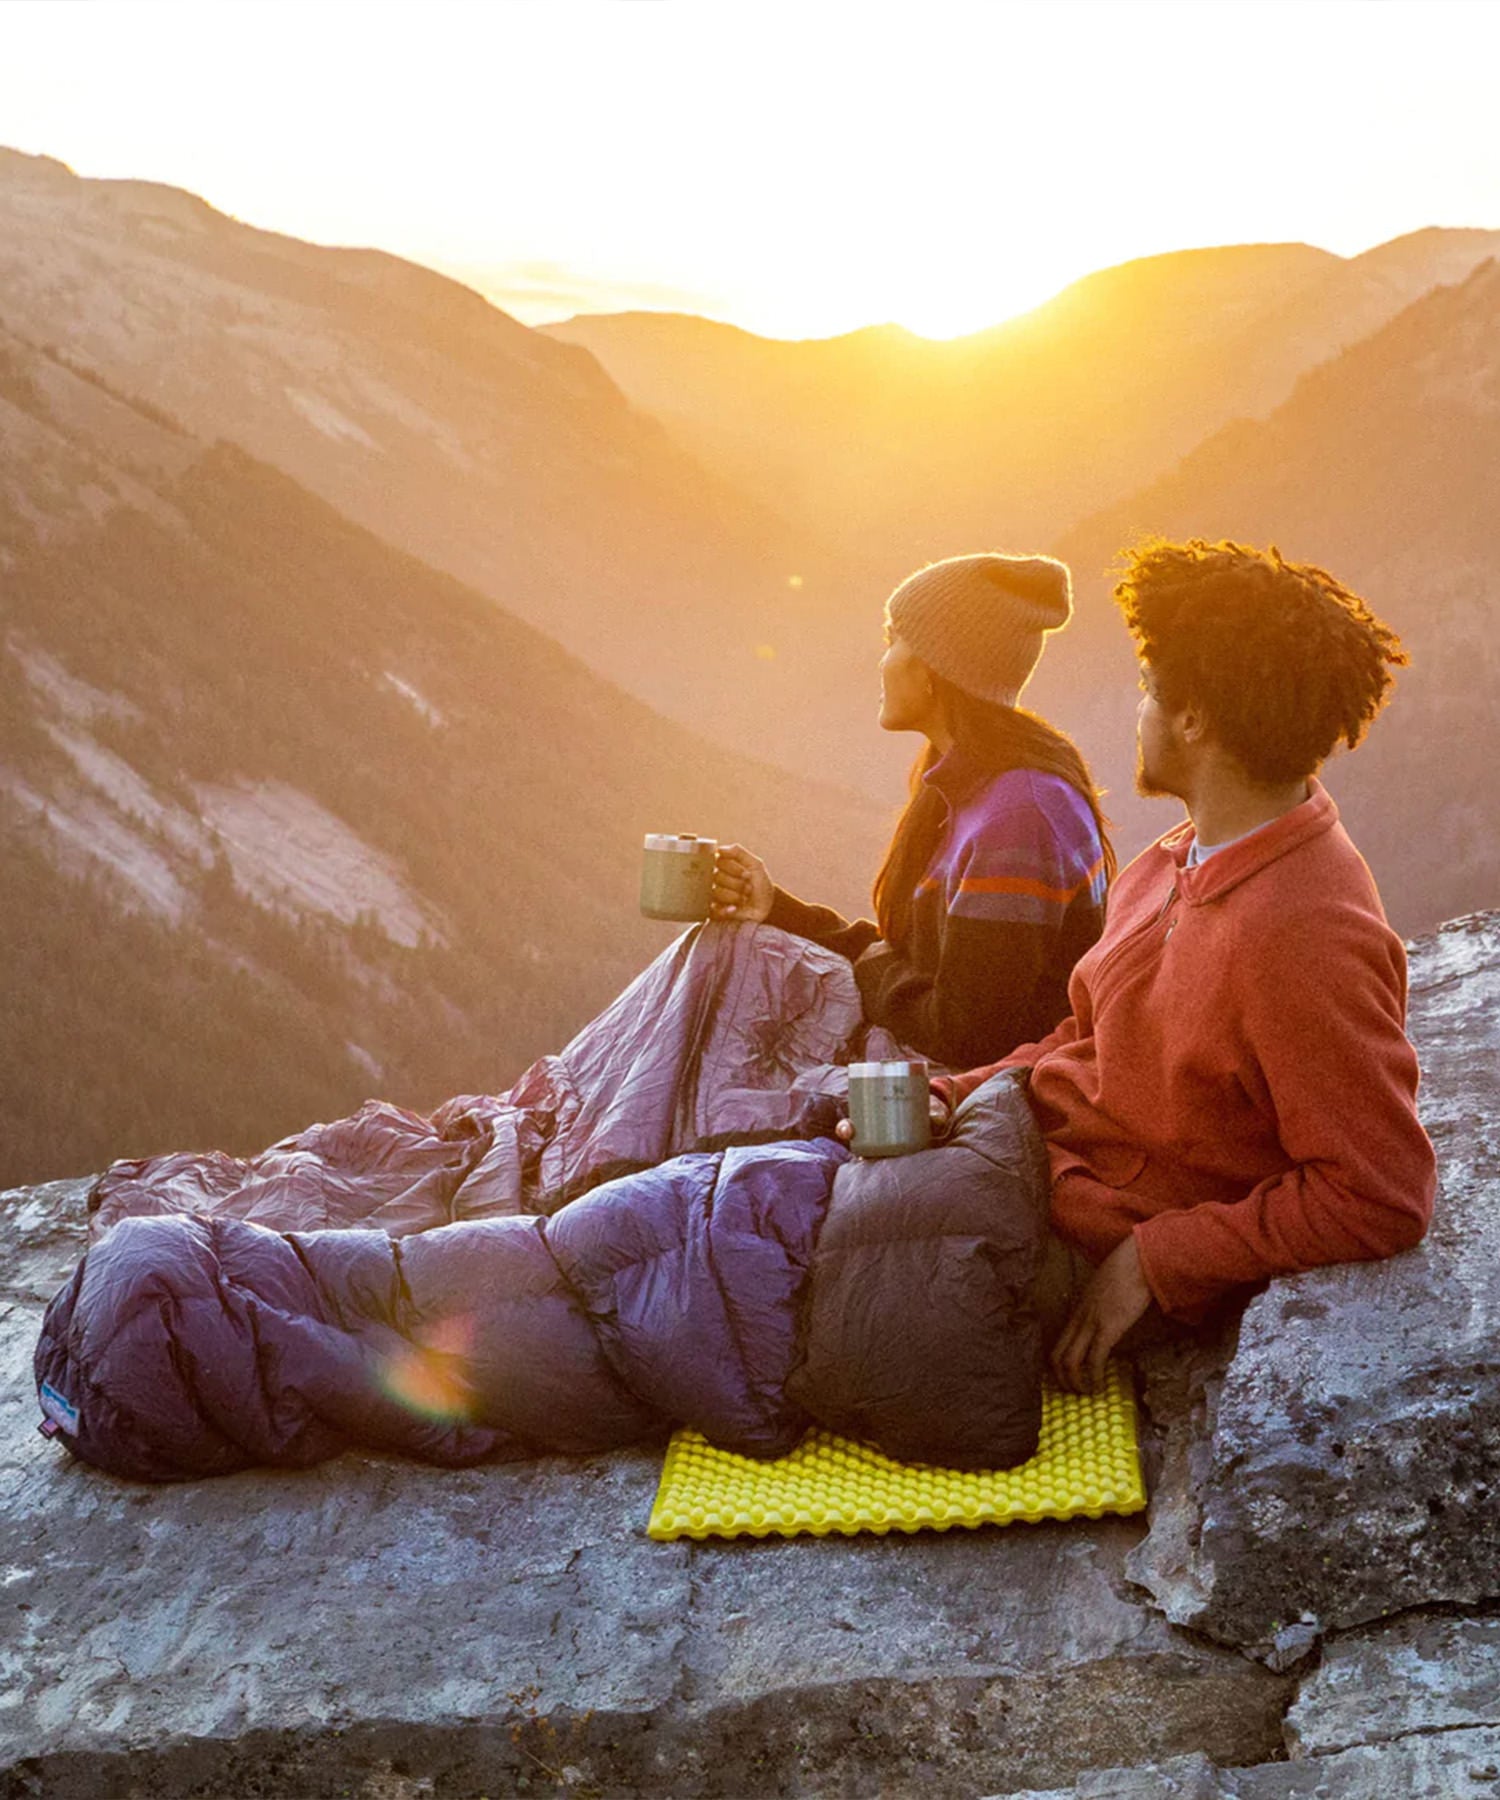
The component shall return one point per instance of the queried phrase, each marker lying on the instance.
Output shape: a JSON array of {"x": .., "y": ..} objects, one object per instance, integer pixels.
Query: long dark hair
[{"x": 996, "y": 738}]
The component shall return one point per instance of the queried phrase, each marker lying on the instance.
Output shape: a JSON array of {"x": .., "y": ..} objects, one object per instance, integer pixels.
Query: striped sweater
[{"x": 1012, "y": 898}]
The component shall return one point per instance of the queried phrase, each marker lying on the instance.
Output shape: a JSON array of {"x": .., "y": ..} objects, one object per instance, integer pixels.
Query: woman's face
[{"x": 907, "y": 702}]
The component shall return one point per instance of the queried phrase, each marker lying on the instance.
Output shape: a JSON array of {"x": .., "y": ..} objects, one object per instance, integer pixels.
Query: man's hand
[
  {"x": 937, "y": 1111},
  {"x": 1114, "y": 1299},
  {"x": 743, "y": 891}
]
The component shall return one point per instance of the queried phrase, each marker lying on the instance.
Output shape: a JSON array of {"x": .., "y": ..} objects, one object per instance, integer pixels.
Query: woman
[
  {"x": 994, "y": 882},
  {"x": 727, "y": 1289},
  {"x": 992, "y": 888}
]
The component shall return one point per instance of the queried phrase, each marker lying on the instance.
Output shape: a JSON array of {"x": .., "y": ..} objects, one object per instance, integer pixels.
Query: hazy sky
[{"x": 799, "y": 168}]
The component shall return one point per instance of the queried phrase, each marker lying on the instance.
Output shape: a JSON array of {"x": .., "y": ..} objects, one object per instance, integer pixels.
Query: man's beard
[{"x": 1152, "y": 784}]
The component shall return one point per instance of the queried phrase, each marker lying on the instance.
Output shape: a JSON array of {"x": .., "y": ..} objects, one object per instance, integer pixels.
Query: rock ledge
[{"x": 389, "y": 1631}]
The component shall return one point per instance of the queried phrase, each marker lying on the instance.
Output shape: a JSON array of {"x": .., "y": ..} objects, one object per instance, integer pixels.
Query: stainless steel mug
[
  {"x": 677, "y": 875},
  {"x": 889, "y": 1107}
]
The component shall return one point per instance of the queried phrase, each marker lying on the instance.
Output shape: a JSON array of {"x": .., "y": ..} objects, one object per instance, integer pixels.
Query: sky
[{"x": 797, "y": 169}]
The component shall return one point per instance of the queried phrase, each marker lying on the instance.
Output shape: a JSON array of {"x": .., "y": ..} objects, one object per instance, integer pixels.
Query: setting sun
[{"x": 804, "y": 175}]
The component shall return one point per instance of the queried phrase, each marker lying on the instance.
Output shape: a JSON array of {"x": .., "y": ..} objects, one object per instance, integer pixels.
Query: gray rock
[
  {"x": 387, "y": 1630},
  {"x": 1180, "y": 1778},
  {"x": 1458, "y": 1765},
  {"x": 1292, "y": 1644},
  {"x": 1346, "y": 1463},
  {"x": 1394, "y": 1711},
  {"x": 1419, "y": 1673},
  {"x": 43, "y": 1233}
]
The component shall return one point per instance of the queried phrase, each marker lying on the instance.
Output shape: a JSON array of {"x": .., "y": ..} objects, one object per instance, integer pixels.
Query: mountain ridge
[
  {"x": 1016, "y": 433},
  {"x": 1378, "y": 466},
  {"x": 273, "y": 782},
  {"x": 511, "y": 462}
]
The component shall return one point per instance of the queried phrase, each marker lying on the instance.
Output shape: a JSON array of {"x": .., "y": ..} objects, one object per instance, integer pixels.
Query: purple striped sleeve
[{"x": 1023, "y": 852}]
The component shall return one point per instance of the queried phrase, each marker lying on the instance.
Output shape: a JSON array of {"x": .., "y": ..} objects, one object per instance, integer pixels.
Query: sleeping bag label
[{"x": 59, "y": 1410}]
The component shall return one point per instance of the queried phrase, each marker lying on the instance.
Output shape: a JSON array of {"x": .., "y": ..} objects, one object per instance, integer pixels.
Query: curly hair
[{"x": 1281, "y": 657}]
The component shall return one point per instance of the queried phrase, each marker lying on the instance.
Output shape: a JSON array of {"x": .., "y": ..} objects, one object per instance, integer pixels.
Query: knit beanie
[{"x": 978, "y": 620}]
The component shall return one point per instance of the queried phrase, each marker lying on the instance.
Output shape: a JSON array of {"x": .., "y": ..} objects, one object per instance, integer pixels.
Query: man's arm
[
  {"x": 1324, "y": 1019},
  {"x": 953, "y": 1090}
]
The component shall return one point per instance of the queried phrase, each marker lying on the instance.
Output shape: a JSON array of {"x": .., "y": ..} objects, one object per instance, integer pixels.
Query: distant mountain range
[
  {"x": 339, "y": 613},
  {"x": 1383, "y": 465},
  {"x": 421, "y": 412},
  {"x": 1013, "y": 435},
  {"x": 288, "y": 818}
]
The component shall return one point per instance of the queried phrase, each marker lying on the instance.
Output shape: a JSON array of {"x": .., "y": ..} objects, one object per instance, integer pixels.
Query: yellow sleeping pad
[{"x": 1086, "y": 1463}]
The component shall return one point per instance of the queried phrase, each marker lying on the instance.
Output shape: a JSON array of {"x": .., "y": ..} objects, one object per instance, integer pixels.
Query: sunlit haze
[{"x": 796, "y": 170}]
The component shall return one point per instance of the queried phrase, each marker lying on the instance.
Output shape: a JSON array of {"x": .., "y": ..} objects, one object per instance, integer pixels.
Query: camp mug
[
  {"x": 889, "y": 1107},
  {"x": 677, "y": 875}
]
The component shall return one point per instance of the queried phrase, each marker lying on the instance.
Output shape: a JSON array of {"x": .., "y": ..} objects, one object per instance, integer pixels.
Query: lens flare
[{"x": 430, "y": 1377}]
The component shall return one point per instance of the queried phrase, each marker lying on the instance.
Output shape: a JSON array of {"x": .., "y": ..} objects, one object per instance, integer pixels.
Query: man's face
[{"x": 1160, "y": 771}]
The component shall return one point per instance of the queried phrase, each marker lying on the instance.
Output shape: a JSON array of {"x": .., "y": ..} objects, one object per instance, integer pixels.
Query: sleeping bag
[{"x": 747, "y": 1292}]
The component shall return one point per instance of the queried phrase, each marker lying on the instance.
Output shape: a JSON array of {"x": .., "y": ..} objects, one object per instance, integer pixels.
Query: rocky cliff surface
[{"x": 1312, "y": 1609}]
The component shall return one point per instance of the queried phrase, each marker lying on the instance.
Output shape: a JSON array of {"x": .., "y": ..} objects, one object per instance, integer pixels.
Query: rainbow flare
[{"x": 430, "y": 1377}]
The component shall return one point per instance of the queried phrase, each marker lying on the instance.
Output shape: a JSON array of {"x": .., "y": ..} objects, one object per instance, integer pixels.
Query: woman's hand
[
  {"x": 937, "y": 1112},
  {"x": 743, "y": 891}
]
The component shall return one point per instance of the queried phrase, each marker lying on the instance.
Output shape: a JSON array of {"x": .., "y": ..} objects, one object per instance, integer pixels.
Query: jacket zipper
[
  {"x": 1166, "y": 905},
  {"x": 1139, "y": 935}
]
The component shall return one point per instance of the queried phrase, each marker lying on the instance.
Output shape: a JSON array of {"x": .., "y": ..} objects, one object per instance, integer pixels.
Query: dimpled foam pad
[{"x": 1086, "y": 1463}]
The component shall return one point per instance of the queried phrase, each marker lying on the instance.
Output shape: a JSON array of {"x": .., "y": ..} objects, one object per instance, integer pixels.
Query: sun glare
[
  {"x": 935, "y": 309},
  {"x": 941, "y": 319},
  {"x": 835, "y": 178},
  {"x": 938, "y": 317}
]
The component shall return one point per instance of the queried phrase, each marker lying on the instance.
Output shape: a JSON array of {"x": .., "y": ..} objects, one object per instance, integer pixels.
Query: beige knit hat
[{"x": 978, "y": 621}]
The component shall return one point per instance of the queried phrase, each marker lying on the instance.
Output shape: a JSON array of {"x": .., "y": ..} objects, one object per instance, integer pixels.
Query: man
[{"x": 1234, "y": 1095}]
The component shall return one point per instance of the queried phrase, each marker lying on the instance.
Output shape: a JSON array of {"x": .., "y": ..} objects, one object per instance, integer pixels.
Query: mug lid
[
  {"x": 683, "y": 841},
  {"x": 870, "y": 1071}
]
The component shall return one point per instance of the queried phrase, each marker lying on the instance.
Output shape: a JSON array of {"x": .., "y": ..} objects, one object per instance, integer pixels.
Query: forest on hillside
[
  {"x": 225, "y": 637},
  {"x": 126, "y": 1036}
]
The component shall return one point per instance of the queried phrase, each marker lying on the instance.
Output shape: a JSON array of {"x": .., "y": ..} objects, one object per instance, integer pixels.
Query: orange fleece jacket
[{"x": 1235, "y": 1084}]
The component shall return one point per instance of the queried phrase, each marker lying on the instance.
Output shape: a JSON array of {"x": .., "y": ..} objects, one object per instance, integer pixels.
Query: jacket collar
[
  {"x": 956, "y": 775},
  {"x": 1248, "y": 855}
]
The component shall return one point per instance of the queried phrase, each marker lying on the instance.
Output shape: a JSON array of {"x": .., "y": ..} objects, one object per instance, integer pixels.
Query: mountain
[
  {"x": 1340, "y": 408},
  {"x": 288, "y": 817},
  {"x": 738, "y": 594},
  {"x": 1384, "y": 466},
  {"x": 1007, "y": 438},
  {"x": 299, "y": 803},
  {"x": 491, "y": 452}
]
